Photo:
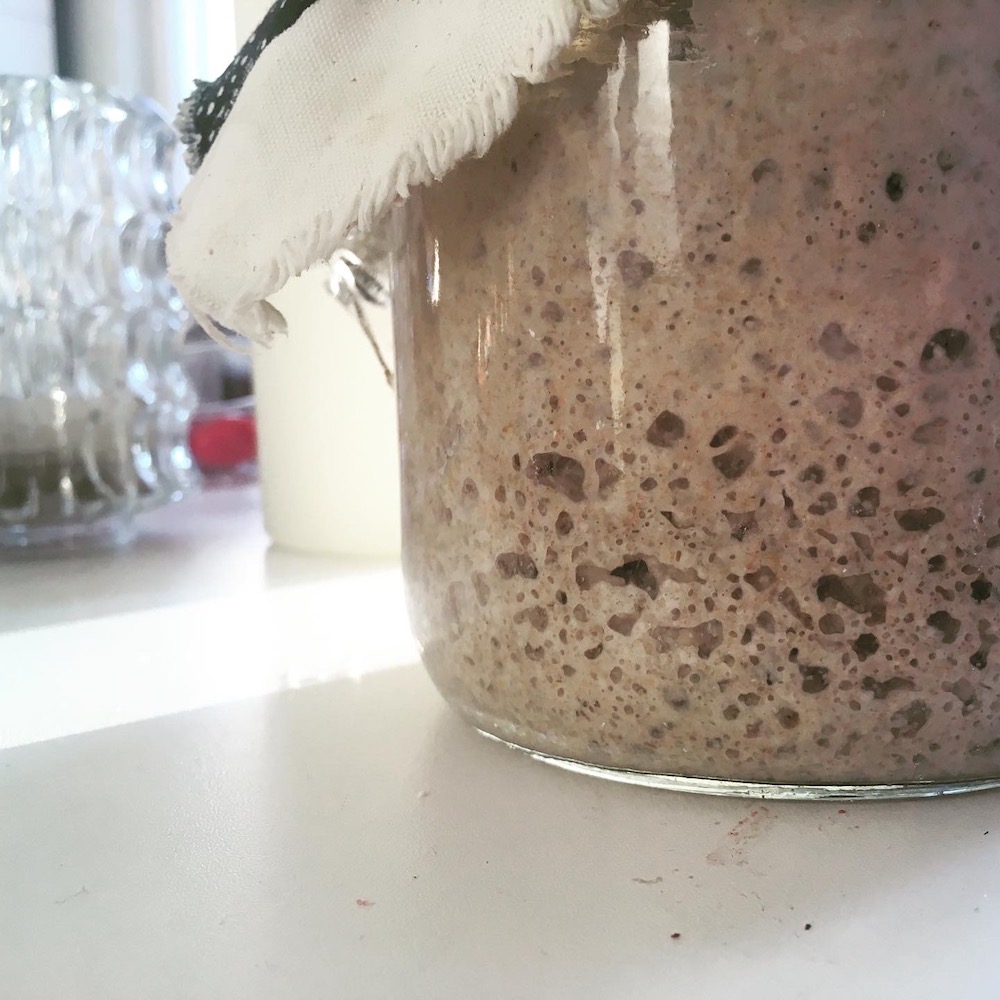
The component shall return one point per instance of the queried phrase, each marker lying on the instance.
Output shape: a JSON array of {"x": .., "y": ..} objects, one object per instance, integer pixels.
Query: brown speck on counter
[
  {"x": 676, "y": 936},
  {"x": 809, "y": 927},
  {"x": 365, "y": 903},
  {"x": 741, "y": 837}
]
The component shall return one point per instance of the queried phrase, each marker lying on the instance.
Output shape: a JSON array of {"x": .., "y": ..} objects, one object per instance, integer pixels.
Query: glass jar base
[
  {"x": 757, "y": 789},
  {"x": 39, "y": 541}
]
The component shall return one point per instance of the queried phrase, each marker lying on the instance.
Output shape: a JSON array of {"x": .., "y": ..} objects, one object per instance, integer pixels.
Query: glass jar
[
  {"x": 698, "y": 373},
  {"x": 94, "y": 403}
]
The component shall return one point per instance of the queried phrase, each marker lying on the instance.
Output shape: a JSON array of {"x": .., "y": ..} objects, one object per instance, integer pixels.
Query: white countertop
[{"x": 282, "y": 807}]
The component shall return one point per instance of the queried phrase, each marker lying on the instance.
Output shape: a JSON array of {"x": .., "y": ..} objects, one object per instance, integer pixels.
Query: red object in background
[{"x": 224, "y": 441}]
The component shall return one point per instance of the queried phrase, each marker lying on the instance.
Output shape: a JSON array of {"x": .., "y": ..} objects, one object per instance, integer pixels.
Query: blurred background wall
[
  {"x": 27, "y": 37},
  {"x": 152, "y": 47}
]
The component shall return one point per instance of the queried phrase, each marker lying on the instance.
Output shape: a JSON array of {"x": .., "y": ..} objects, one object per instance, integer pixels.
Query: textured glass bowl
[{"x": 94, "y": 402}]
